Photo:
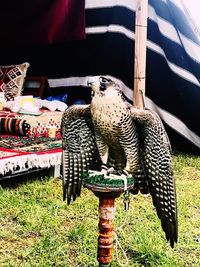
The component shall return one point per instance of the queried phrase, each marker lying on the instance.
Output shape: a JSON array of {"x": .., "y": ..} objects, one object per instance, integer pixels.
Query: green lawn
[{"x": 38, "y": 229}]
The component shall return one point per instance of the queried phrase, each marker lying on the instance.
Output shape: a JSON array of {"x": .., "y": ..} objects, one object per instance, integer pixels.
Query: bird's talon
[
  {"x": 104, "y": 169},
  {"x": 111, "y": 171},
  {"x": 125, "y": 174}
]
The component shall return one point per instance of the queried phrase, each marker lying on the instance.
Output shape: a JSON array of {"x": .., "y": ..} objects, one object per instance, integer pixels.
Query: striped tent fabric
[{"x": 173, "y": 61}]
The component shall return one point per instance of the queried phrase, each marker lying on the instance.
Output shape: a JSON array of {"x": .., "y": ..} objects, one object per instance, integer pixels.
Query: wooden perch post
[
  {"x": 106, "y": 226},
  {"x": 107, "y": 190},
  {"x": 140, "y": 53}
]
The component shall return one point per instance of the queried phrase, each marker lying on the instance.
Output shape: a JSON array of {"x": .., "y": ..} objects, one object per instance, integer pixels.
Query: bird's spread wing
[
  {"x": 158, "y": 169},
  {"x": 80, "y": 152}
]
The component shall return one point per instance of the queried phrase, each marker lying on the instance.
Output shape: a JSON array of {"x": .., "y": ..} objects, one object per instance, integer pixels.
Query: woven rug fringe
[{"x": 20, "y": 163}]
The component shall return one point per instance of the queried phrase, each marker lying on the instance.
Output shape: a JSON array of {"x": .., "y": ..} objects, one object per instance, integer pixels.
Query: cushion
[
  {"x": 33, "y": 126},
  {"x": 12, "y": 79},
  {"x": 14, "y": 126}
]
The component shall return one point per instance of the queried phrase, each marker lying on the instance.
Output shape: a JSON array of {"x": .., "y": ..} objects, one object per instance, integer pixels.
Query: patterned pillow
[{"x": 12, "y": 79}]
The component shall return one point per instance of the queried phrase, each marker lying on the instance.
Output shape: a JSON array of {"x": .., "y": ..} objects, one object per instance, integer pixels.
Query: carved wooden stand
[
  {"x": 106, "y": 197},
  {"x": 106, "y": 227}
]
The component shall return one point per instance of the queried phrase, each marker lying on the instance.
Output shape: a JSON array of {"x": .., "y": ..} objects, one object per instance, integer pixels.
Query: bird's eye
[
  {"x": 104, "y": 80},
  {"x": 104, "y": 83}
]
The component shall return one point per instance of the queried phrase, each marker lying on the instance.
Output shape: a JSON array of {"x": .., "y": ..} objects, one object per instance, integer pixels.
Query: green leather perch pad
[{"x": 99, "y": 180}]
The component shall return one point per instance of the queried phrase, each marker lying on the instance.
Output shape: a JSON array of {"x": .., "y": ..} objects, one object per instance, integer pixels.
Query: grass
[{"x": 38, "y": 229}]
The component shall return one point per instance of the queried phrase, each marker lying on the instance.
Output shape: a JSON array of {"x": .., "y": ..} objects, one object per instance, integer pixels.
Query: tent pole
[{"x": 140, "y": 53}]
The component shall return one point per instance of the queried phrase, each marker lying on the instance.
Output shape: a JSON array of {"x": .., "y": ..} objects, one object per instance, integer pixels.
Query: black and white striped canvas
[{"x": 173, "y": 61}]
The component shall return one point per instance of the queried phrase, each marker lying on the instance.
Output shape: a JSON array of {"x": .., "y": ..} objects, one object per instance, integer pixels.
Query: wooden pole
[
  {"x": 105, "y": 239},
  {"x": 140, "y": 53}
]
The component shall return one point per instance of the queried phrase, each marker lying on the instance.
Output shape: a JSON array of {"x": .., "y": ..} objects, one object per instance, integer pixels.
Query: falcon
[{"x": 110, "y": 135}]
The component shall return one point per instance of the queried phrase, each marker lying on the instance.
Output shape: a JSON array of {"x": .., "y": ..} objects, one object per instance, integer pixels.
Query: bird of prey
[{"x": 112, "y": 134}]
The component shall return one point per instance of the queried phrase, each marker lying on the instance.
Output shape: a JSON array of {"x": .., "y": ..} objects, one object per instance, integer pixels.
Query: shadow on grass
[
  {"x": 143, "y": 259},
  {"x": 24, "y": 178}
]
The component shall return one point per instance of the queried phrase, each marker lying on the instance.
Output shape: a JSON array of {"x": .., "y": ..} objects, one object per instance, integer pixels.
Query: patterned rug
[{"x": 19, "y": 153}]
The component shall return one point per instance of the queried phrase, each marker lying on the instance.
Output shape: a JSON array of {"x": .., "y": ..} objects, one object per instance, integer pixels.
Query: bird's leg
[
  {"x": 127, "y": 170},
  {"x": 104, "y": 159},
  {"x": 103, "y": 152}
]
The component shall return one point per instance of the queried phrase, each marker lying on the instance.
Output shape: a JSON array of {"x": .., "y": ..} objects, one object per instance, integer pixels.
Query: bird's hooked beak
[{"x": 93, "y": 83}]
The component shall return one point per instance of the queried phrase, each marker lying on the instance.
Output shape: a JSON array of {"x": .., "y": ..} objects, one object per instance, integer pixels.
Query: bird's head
[{"x": 100, "y": 84}]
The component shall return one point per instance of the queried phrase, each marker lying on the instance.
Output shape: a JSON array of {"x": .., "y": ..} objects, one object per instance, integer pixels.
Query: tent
[{"x": 102, "y": 42}]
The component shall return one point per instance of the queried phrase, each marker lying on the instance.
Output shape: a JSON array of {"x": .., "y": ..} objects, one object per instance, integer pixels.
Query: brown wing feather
[
  {"x": 79, "y": 149},
  {"x": 158, "y": 169}
]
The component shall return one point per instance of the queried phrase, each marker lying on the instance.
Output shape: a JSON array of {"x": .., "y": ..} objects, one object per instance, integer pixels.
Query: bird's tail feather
[
  {"x": 70, "y": 180},
  {"x": 141, "y": 183},
  {"x": 76, "y": 171},
  {"x": 65, "y": 166},
  {"x": 79, "y": 175}
]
